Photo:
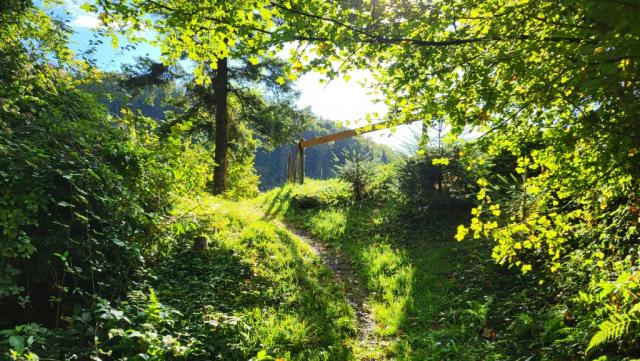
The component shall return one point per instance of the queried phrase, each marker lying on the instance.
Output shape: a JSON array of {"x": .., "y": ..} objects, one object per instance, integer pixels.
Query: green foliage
[
  {"x": 258, "y": 290},
  {"x": 435, "y": 181},
  {"x": 551, "y": 87},
  {"x": 434, "y": 299},
  {"x": 329, "y": 225},
  {"x": 613, "y": 329},
  {"x": 406, "y": 270},
  {"x": 24, "y": 338},
  {"x": 81, "y": 193},
  {"x": 313, "y": 194},
  {"x": 358, "y": 169},
  {"x": 614, "y": 301},
  {"x": 140, "y": 324},
  {"x": 556, "y": 75}
]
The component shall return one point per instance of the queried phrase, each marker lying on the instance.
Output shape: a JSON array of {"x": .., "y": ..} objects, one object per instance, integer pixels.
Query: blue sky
[{"x": 344, "y": 101}]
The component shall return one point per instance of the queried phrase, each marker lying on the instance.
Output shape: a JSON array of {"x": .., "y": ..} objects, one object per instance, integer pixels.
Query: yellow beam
[{"x": 344, "y": 134}]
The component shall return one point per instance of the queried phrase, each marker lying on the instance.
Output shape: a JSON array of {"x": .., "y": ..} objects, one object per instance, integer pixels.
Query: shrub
[
  {"x": 435, "y": 181},
  {"x": 359, "y": 170},
  {"x": 82, "y": 197}
]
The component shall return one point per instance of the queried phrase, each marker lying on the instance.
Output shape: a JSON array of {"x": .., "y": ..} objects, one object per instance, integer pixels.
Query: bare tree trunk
[{"x": 222, "y": 128}]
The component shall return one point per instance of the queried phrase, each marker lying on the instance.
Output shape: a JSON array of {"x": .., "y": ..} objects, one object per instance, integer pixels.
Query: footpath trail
[{"x": 346, "y": 275}]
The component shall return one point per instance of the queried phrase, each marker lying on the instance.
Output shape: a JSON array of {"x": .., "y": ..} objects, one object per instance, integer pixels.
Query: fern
[{"x": 610, "y": 330}]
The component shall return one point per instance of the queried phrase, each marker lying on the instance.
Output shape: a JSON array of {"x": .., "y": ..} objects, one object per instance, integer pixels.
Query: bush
[
  {"x": 82, "y": 200},
  {"x": 436, "y": 181},
  {"x": 359, "y": 170}
]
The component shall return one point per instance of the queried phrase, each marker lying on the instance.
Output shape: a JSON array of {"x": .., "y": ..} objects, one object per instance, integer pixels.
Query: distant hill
[{"x": 320, "y": 160}]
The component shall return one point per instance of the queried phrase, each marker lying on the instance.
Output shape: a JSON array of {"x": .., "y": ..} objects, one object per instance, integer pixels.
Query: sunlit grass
[
  {"x": 328, "y": 225},
  {"x": 407, "y": 272},
  {"x": 390, "y": 276},
  {"x": 278, "y": 297}
]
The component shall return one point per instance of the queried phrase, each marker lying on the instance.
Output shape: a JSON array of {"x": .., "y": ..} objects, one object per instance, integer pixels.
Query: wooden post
[
  {"x": 294, "y": 167},
  {"x": 301, "y": 151},
  {"x": 201, "y": 244}
]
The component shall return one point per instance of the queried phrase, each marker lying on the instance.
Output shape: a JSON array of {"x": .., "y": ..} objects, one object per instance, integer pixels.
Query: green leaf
[{"x": 17, "y": 343}]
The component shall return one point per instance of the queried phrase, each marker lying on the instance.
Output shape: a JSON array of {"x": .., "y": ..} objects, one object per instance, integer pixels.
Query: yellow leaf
[
  {"x": 624, "y": 64},
  {"x": 482, "y": 194},
  {"x": 115, "y": 42},
  {"x": 461, "y": 232},
  {"x": 440, "y": 161}
]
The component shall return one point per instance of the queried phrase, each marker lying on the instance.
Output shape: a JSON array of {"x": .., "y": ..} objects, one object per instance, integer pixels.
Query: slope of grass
[
  {"x": 431, "y": 297},
  {"x": 257, "y": 293}
]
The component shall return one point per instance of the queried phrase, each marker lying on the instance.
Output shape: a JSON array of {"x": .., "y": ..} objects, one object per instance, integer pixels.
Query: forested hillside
[
  {"x": 321, "y": 160},
  {"x": 144, "y": 213}
]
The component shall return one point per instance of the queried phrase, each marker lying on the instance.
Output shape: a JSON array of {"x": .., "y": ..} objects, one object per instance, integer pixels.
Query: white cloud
[
  {"x": 86, "y": 21},
  {"x": 79, "y": 17}
]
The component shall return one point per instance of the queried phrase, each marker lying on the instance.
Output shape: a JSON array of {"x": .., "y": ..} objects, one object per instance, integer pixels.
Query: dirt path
[{"x": 346, "y": 275}]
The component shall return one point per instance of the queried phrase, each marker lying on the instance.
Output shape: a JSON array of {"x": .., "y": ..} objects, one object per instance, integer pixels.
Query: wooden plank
[
  {"x": 328, "y": 138},
  {"x": 344, "y": 134}
]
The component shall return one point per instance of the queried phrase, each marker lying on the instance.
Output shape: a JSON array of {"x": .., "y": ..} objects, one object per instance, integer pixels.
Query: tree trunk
[{"x": 222, "y": 128}]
